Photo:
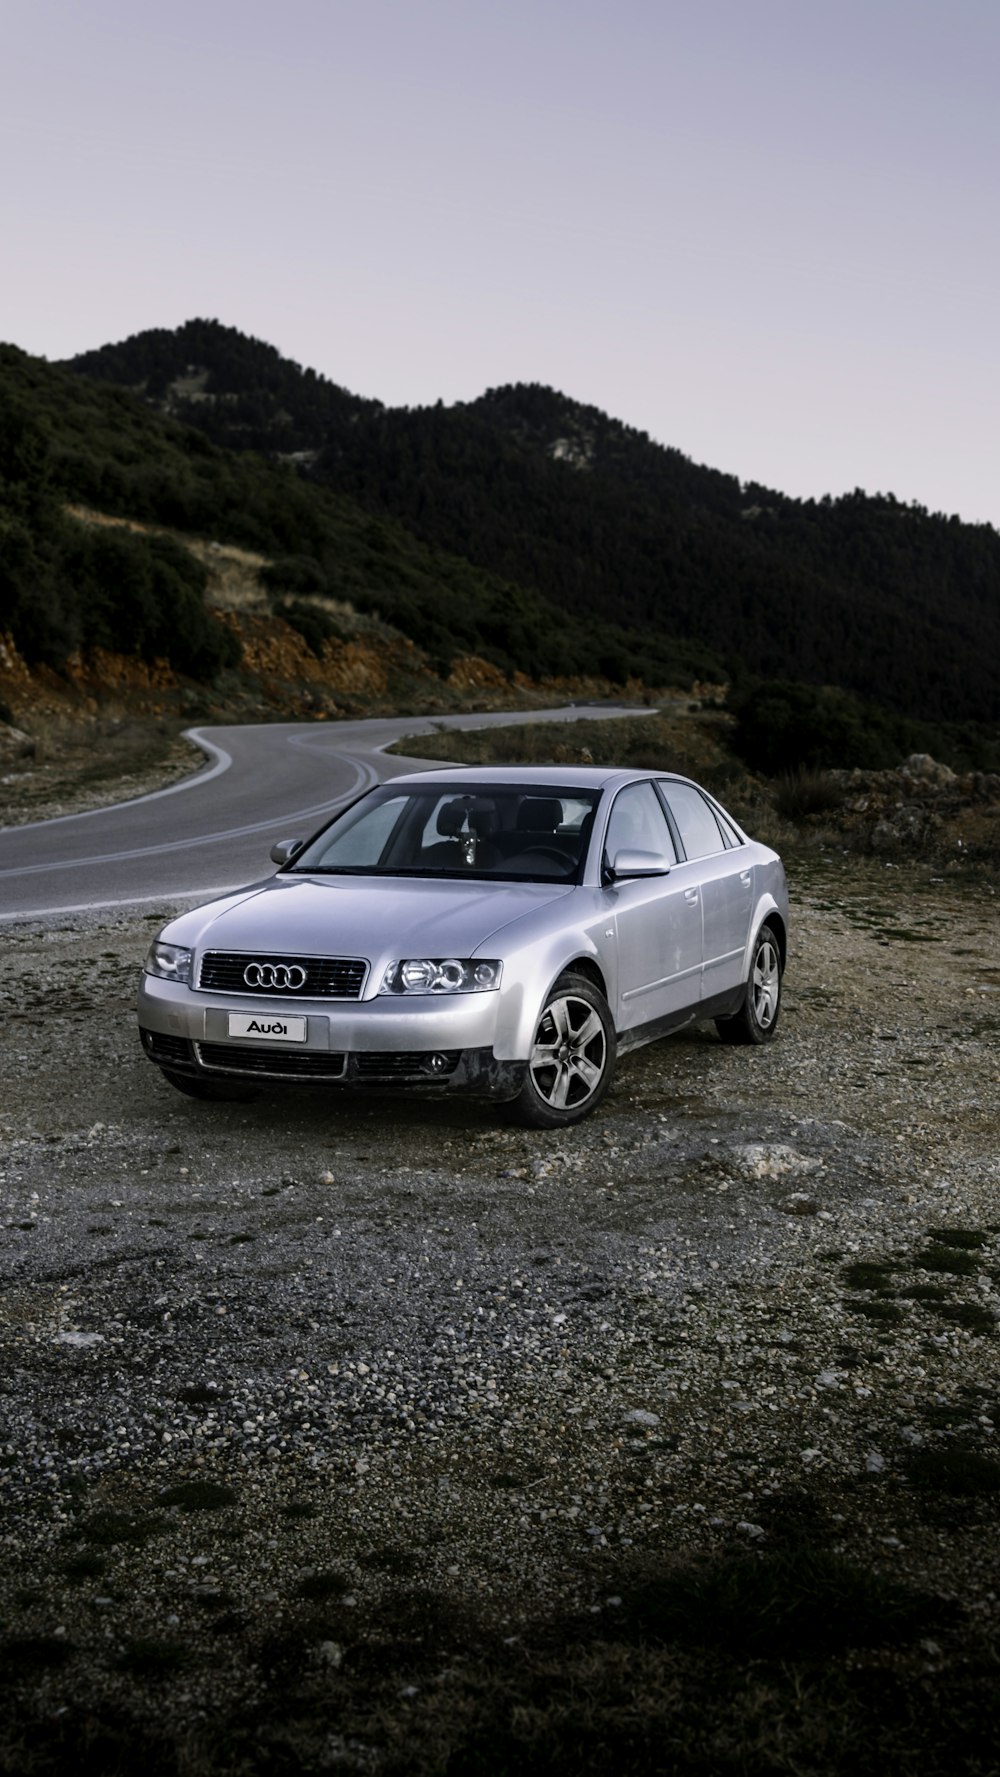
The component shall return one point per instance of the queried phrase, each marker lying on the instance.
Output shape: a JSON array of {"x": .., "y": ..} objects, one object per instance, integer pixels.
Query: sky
[{"x": 766, "y": 234}]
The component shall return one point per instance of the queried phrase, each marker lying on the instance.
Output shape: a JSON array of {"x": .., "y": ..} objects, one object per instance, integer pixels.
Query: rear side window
[{"x": 701, "y": 834}]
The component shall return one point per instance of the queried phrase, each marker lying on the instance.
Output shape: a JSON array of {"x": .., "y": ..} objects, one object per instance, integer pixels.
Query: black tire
[
  {"x": 221, "y": 1091},
  {"x": 572, "y": 1058},
  {"x": 757, "y": 1018}
]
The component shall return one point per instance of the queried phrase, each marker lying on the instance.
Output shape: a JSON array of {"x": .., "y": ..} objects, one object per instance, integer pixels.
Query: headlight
[
  {"x": 172, "y": 962},
  {"x": 434, "y": 975}
]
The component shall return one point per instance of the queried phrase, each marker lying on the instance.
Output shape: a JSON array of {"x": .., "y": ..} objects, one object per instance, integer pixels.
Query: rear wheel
[
  {"x": 221, "y": 1091},
  {"x": 572, "y": 1057},
  {"x": 757, "y": 1018}
]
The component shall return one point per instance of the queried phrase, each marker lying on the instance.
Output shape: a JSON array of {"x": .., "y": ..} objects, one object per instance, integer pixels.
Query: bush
[
  {"x": 315, "y": 626},
  {"x": 800, "y": 794},
  {"x": 291, "y": 574},
  {"x": 785, "y": 727}
]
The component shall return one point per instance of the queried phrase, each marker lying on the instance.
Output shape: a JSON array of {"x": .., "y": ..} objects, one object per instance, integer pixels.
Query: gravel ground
[{"x": 301, "y": 1386}]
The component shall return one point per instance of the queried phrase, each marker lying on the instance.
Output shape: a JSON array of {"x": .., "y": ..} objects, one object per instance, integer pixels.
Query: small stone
[{"x": 639, "y": 1416}]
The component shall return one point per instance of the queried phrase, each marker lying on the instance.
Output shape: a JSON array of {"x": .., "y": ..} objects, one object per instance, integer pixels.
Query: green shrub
[
  {"x": 313, "y": 624},
  {"x": 289, "y": 575},
  {"x": 782, "y": 727}
]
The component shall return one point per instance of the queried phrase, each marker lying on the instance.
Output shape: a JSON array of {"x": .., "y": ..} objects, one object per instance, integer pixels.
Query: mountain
[
  {"x": 67, "y": 439},
  {"x": 238, "y": 390},
  {"x": 613, "y": 530}
]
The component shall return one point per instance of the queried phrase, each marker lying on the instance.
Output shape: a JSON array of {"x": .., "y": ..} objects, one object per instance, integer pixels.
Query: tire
[
  {"x": 757, "y": 1018},
  {"x": 221, "y": 1091},
  {"x": 572, "y": 1058}
]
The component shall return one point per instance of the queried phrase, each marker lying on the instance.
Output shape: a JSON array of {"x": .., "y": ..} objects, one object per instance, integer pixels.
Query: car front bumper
[{"x": 414, "y": 1043}]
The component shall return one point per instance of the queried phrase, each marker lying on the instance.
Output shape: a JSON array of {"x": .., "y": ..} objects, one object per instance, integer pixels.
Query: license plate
[{"x": 265, "y": 1029}]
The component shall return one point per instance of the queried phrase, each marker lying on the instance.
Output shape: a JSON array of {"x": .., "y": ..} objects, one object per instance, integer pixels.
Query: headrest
[
  {"x": 482, "y": 817},
  {"x": 539, "y": 814},
  {"x": 451, "y": 816}
]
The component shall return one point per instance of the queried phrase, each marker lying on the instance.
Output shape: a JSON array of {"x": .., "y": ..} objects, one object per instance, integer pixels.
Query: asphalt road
[{"x": 214, "y": 831}]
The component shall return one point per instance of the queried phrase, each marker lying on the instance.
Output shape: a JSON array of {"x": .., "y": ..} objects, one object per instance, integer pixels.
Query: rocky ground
[{"x": 374, "y": 1435}]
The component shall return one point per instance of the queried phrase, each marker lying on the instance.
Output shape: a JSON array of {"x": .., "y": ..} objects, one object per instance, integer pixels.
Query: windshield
[{"x": 527, "y": 833}]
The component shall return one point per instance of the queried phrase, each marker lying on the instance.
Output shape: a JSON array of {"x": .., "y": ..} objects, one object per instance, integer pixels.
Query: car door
[
  {"x": 719, "y": 858},
  {"x": 657, "y": 918}
]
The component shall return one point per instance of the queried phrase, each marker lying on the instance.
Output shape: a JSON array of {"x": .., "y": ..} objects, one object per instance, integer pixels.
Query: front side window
[{"x": 638, "y": 823}]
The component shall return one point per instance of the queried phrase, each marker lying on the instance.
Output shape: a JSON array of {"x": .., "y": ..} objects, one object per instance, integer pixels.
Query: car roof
[{"x": 582, "y": 777}]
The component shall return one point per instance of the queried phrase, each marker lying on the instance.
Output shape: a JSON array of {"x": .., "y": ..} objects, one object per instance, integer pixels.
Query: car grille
[
  {"x": 327, "y": 977},
  {"x": 437, "y": 1064},
  {"x": 169, "y": 1051},
  {"x": 229, "y": 1058}
]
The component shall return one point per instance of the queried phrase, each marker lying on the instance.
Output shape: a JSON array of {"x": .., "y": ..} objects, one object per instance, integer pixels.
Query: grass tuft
[
  {"x": 876, "y": 1310},
  {"x": 970, "y": 1315},
  {"x": 323, "y": 1584},
  {"x": 962, "y": 1473},
  {"x": 85, "y": 1566},
  {"x": 868, "y": 1274},
  {"x": 967, "y": 1239},
  {"x": 943, "y": 1258},
  {"x": 800, "y": 1602},
  {"x": 801, "y": 794},
  {"x": 152, "y": 1659},
  {"x": 28, "y": 1653},
  {"x": 198, "y": 1496},
  {"x": 108, "y": 1528}
]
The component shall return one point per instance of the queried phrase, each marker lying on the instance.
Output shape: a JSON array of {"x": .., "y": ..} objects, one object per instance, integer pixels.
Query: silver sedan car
[{"x": 507, "y": 931}]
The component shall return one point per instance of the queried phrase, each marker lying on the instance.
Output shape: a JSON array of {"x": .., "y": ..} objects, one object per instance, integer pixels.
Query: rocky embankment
[{"x": 922, "y": 809}]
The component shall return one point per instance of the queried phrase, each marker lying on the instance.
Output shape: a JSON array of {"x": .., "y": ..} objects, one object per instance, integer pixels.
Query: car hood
[{"x": 363, "y": 917}]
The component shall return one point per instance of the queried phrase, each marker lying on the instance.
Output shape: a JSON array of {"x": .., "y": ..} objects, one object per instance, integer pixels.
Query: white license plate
[{"x": 265, "y": 1029}]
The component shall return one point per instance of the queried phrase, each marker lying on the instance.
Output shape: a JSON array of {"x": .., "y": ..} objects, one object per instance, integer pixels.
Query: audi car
[{"x": 507, "y": 932}]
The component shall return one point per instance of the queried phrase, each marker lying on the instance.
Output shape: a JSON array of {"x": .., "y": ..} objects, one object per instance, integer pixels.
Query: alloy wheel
[{"x": 570, "y": 1053}]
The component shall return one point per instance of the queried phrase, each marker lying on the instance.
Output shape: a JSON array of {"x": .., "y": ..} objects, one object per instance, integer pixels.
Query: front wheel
[
  {"x": 757, "y": 1018},
  {"x": 572, "y": 1058}
]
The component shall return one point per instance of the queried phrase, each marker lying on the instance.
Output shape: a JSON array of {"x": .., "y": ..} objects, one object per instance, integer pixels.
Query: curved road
[{"x": 214, "y": 830}]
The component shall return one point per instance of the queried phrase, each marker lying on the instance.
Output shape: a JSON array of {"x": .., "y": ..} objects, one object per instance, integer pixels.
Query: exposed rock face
[
  {"x": 927, "y": 772},
  {"x": 474, "y": 674},
  {"x": 14, "y": 743},
  {"x": 14, "y": 674}
]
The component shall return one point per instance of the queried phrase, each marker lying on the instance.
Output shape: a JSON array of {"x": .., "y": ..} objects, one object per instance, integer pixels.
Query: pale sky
[{"x": 765, "y": 234}]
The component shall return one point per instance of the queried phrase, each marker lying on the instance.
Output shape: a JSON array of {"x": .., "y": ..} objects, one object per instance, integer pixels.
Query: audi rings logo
[{"x": 290, "y": 976}]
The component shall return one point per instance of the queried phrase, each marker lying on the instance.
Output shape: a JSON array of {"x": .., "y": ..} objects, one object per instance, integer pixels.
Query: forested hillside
[
  {"x": 65, "y": 438},
  {"x": 589, "y": 516}
]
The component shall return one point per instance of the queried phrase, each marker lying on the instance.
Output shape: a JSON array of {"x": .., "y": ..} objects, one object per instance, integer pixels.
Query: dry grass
[
  {"x": 87, "y": 764},
  {"x": 692, "y": 743}
]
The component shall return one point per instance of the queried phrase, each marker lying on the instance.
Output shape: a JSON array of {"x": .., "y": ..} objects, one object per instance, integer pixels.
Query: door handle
[
  {"x": 746, "y": 877},
  {"x": 691, "y": 895}
]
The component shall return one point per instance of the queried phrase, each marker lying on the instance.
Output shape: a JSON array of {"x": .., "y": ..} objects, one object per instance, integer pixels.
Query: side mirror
[
  {"x": 284, "y": 850},
  {"x": 628, "y": 863}
]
